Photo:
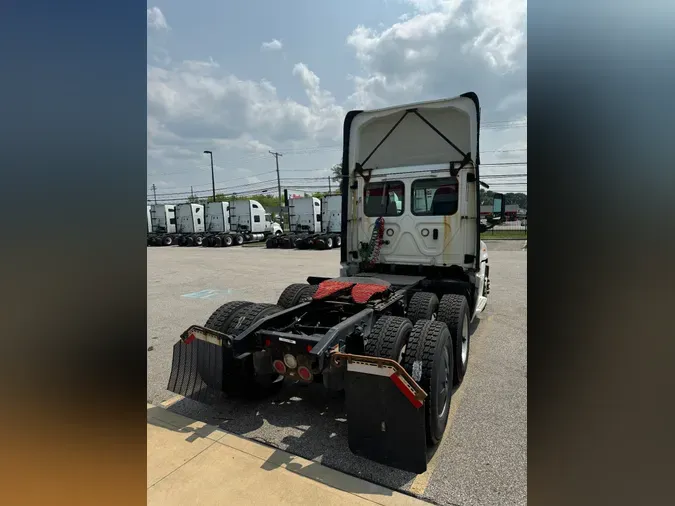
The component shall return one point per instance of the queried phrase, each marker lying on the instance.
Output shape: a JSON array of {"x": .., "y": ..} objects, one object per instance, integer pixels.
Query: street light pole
[{"x": 213, "y": 177}]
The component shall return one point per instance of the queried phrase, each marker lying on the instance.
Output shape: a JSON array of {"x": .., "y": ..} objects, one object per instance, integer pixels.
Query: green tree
[{"x": 337, "y": 172}]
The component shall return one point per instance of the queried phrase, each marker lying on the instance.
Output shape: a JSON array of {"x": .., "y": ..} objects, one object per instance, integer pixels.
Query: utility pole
[
  {"x": 329, "y": 190},
  {"x": 276, "y": 157},
  {"x": 192, "y": 194},
  {"x": 213, "y": 177},
  {"x": 154, "y": 191}
]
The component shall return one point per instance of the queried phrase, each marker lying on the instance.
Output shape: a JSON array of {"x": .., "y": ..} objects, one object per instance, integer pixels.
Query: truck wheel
[
  {"x": 271, "y": 243},
  {"x": 199, "y": 240},
  {"x": 428, "y": 359},
  {"x": 329, "y": 242},
  {"x": 220, "y": 319},
  {"x": 295, "y": 294},
  {"x": 182, "y": 240},
  {"x": 337, "y": 241},
  {"x": 227, "y": 241},
  {"x": 422, "y": 306},
  {"x": 216, "y": 242},
  {"x": 239, "y": 239},
  {"x": 190, "y": 241},
  {"x": 388, "y": 337},
  {"x": 454, "y": 312},
  {"x": 167, "y": 241},
  {"x": 240, "y": 378},
  {"x": 278, "y": 233}
]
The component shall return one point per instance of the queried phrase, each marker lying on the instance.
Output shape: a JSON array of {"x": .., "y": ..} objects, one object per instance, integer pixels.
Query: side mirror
[{"x": 498, "y": 208}]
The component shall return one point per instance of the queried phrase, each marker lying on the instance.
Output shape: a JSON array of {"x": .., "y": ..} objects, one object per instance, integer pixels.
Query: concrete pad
[
  {"x": 219, "y": 467},
  {"x": 166, "y": 453}
]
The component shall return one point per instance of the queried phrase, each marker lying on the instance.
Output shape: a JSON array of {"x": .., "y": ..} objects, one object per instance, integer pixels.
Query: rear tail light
[
  {"x": 279, "y": 366},
  {"x": 304, "y": 373}
]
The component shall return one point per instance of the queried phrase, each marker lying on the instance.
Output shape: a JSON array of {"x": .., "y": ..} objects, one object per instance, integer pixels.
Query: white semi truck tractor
[{"x": 304, "y": 221}]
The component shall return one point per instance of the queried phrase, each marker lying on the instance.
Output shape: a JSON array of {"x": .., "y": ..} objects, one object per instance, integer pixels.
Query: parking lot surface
[{"x": 482, "y": 458}]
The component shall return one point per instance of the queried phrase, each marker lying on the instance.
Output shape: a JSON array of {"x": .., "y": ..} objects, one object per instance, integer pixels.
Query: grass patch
[{"x": 504, "y": 234}]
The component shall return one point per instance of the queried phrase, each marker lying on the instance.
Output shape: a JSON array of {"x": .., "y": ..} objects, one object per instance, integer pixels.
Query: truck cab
[
  {"x": 331, "y": 214},
  {"x": 217, "y": 217},
  {"x": 305, "y": 215},
  {"x": 272, "y": 227},
  {"x": 190, "y": 218},
  {"x": 163, "y": 218}
]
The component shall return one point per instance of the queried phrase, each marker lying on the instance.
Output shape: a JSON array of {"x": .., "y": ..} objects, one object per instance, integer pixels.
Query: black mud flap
[
  {"x": 385, "y": 413},
  {"x": 197, "y": 365}
]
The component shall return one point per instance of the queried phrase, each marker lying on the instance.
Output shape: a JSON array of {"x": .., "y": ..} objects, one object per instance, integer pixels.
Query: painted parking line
[
  {"x": 207, "y": 294},
  {"x": 171, "y": 401}
]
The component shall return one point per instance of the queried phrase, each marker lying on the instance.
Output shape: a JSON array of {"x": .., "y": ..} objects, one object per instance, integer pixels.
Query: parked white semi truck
[
  {"x": 331, "y": 224},
  {"x": 181, "y": 224},
  {"x": 190, "y": 224},
  {"x": 392, "y": 331},
  {"x": 162, "y": 226},
  {"x": 304, "y": 215},
  {"x": 216, "y": 224},
  {"x": 238, "y": 222},
  {"x": 312, "y": 229}
]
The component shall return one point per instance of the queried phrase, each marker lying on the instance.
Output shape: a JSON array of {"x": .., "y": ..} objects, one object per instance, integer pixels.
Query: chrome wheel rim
[
  {"x": 444, "y": 387},
  {"x": 465, "y": 340}
]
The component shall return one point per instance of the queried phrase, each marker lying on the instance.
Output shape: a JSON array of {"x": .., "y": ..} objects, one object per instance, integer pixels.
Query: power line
[
  {"x": 493, "y": 125},
  {"x": 298, "y": 181}
]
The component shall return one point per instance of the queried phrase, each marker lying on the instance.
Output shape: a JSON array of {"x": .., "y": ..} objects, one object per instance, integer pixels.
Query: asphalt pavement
[{"x": 483, "y": 457}]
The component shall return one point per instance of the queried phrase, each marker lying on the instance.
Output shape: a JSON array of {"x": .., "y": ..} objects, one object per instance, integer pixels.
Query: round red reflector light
[
  {"x": 309, "y": 348},
  {"x": 279, "y": 366},
  {"x": 268, "y": 342},
  {"x": 304, "y": 373}
]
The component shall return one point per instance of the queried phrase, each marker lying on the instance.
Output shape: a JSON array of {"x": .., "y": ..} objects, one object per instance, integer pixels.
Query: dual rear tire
[
  {"x": 424, "y": 351},
  {"x": 453, "y": 310},
  {"x": 239, "y": 376}
]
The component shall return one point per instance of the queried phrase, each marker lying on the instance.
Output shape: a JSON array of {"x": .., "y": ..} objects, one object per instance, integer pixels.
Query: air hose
[{"x": 370, "y": 253}]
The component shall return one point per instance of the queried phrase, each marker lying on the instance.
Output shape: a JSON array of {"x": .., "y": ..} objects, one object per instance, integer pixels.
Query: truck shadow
[
  {"x": 307, "y": 421},
  {"x": 303, "y": 420}
]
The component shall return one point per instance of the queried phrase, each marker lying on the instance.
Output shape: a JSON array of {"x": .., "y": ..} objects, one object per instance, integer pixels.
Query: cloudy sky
[{"x": 244, "y": 78}]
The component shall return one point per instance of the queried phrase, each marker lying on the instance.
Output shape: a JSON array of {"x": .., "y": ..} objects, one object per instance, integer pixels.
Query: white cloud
[
  {"x": 273, "y": 45},
  {"x": 439, "y": 48},
  {"x": 156, "y": 19},
  {"x": 195, "y": 105},
  {"x": 442, "y": 48}
]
